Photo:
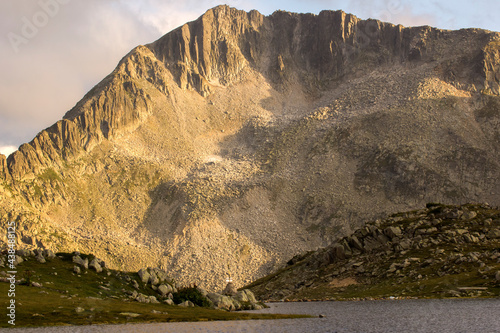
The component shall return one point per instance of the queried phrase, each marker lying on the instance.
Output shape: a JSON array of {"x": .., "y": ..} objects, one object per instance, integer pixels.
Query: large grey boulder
[
  {"x": 187, "y": 304},
  {"x": 153, "y": 279},
  {"x": 245, "y": 295},
  {"x": 143, "y": 275},
  {"x": 468, "y": 215},
  {"x": 392, "y": 232},
  {"x": 230, "y": 290},
  {"x": 152, "y": 299},
  {"x": 223, "y": 302},
  {"x": 162, "y": 275},
  {"x": 165, "y": 289},
  {"x": 95, "y": 265},
  {"x": 355, "y": 243},
  {"x": 39, "y": 257},
  {"x": 49, "y": 254},
  {"x": 82, "y": 262},
  {"x": 141, "y": 298},
  {"x": 494, "y": 233},
  {"x": 18, "y": 260}
]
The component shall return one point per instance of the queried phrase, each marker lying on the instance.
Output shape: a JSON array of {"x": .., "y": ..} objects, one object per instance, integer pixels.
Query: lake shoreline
[{"x": 384, "y": 316}]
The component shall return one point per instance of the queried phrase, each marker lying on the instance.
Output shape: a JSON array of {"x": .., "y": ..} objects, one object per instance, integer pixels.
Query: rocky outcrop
[
  {"x": 84, "y": 263},
  {"x": 242, "y": 300},
  {"x": 411, "y": 252},
  {"x": 4, "y": 170},
  {"x": 116, "y": 106},
  {"x": 491, "y": 67},
  {"x": 217, "y": 48}
]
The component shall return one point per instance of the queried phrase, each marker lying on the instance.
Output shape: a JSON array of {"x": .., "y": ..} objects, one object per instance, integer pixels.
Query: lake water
[{"x": 453, "y": 316}]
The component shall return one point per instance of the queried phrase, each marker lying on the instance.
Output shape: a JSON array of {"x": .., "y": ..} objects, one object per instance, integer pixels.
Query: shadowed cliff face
[{"x": 241, "y": 139}]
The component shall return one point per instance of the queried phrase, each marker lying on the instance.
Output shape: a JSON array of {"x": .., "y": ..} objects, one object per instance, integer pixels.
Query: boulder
[
  {"x": 152, "y": 299},
  {"x": 497, "y": 276},
  {"x": 371, "y": 244},
  {"x": 494, "y": 233},
  {"x": 230, "y": 290},
  {"x": 39, "y": 257},
  {"x": 468, "y": 238},
  {"x": 95, "y": 265},
  {"x": 187, "y": 304},
  {"x": 246, "y": 296},
  {"x": 76, "y": 269},
  {"x": 82, "y": 262},
  {"x": 169, "y": 301},
  {"x": 468, "y": 215},
  {"x": 392, "y": 268},
  {"x": 392, "y": 232},
  {"x": 162, "y": 275},
  {"x": 337, "y": 252},
  {"x": 355, "y": 243},
  {"x": 153, "y": 279},
  {"x": 165, "y": 289},
  {"x": 222, "y": 302},
  {"x": 141, "y": 298},
  {"x": 18, "y": 260},
  {"x": 454, "y": 293},
  {"x": 202, "y": 291},
  {"x": 49, "y": 254},
  {"x": 143, "y": 275},
  {"x": 382, "y": 238}
]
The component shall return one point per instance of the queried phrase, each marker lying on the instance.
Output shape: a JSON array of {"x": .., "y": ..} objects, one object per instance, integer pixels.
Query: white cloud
[
  {"x": 67, "y": 56},
  {"x": 7, "y": 150}
]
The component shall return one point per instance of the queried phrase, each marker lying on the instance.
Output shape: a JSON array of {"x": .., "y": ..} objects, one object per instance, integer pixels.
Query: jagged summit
[
  {"x": 221, "y": 46},
  {"x": 244, "y": 139}
]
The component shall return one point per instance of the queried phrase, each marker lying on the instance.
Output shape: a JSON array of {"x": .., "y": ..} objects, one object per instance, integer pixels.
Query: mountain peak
[{"x": 244, "y": 139}]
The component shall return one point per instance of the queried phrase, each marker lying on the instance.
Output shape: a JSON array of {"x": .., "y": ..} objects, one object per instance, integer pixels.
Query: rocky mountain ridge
[{"x": 241, "y": 139}]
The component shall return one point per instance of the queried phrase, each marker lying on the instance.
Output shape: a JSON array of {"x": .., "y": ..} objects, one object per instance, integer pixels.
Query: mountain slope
[
  {"x": 439, "y": 251},
  {"x": 239, "y": 140}
]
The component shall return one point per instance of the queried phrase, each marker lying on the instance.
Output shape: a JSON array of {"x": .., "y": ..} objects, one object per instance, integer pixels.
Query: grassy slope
[{"x": 63, "y": 291}]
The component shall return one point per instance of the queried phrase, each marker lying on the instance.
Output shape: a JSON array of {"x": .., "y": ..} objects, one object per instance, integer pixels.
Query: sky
[{"x": 53, "y": 51}]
